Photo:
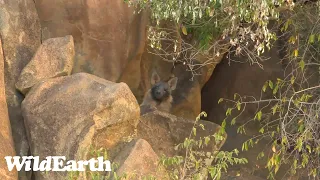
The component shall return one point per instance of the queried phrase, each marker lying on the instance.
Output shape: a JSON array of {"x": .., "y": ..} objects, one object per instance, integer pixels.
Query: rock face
[
  {"x": 109, "y": 38},
  {"x": 164, "y": 131},
  {"x": 138, "y": 160},
  {"x": 20, "y": 33},
  {"x": 66, "y": 115},
  {"x": 6, "y": 140},
  {"x": 110, "y": 42},
  {"x": 53, "y": 58}
]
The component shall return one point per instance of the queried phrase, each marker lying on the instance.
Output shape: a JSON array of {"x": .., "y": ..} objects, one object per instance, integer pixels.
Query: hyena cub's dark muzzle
[{"x": 160, "y": 91}]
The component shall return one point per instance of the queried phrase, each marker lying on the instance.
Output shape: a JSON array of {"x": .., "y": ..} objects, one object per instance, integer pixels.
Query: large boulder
[
  {"x": 164, "y": 131},
  {"x": 53, "y": 58},
  {"x": 109, "y": 38},
  {"x": 6, "y": 140},
  {"x": 20, "y": 33},
  {"x": 138, "y": 160},
  {"x": 67, "y": 115}
]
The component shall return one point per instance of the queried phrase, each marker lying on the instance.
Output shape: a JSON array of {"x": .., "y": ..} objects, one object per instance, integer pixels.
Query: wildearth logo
[{"x": 56, "y": 163}]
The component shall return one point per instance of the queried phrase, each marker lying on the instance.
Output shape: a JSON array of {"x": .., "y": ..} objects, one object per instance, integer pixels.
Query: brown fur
[{"x": 149, "y": 103}]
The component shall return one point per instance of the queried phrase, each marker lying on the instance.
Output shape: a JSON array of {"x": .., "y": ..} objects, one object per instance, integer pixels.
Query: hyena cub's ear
[
  {"x": 173, "y": 83},
  {"x": 155, "y": 78}
]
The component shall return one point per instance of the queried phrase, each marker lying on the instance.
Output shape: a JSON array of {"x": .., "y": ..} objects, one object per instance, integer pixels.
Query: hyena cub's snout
[
  {"x": 161, "y": 91},
  {"x": 159, "y": 96}
]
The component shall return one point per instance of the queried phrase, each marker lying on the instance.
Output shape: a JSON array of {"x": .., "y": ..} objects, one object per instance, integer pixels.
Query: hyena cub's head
[{"x": 161, "y": 90}]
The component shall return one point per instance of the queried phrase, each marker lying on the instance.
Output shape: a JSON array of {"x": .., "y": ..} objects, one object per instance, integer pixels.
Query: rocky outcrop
[
  {"x": 53, "y": 58},
  {"x": 164, "y": 131},
  {"x": 138, "y": 160},
  {"x": 6, "y": 140},
  {"x": 20, "y": 33},
  {"x": 109, "y": 38},
  {"x": 66, "y": 115},
  {"x": 110, "y": 42}
]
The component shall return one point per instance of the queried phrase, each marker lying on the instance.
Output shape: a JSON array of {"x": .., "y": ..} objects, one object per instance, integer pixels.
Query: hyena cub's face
[{"x": 161, "y": 90}]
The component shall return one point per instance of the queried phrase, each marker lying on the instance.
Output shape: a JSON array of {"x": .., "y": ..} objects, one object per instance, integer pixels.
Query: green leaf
[
  {"x": 184, "y": 30},
  {"x": 220, "y": 100},
  {"x": 302, "y": 65},
  {"x": 264, "y": 88},
  {"x": 308, "y": 96},
  {"x": 261, "y": 130},
  {"x": 286, "y": 25},
  {"x": 185, "y": 143},
  {"x": 292, "y": 79},
  {"x": 194, "y": 130},
  {"x": 235, "y": 96},
  {"x": 224, "y": 123},
  {"x": 309, "y": 148},
  {"x": 299, "y": 144},
  {"x": 296, "y": 53},
  {"x": 271, "y": 84},
  {"x": 274, "y": 109},
  {"x": 276, "y": 168},
  {"x": 275, "y": 90},
  {"x": 241, "y": 130},
  {"x": 200, "y": 143},
  {"x": 311, "y": 38},
  {"x": 314, "y": 172},
  {"x": 228, "y": 112},
  {"x": 295, "y": 164},
  {"x": 245, "y": 146},
  {"x": 206, "y": 140},
  {"x": 292, "y": 39},
  {"x": 233, "y": 121},
  {"x": 202, "y": 126},
  {"x": 251, "y": 142},
  {"x": 258, "y": 116},
  {"x": 238, "y": 106},
  {"x": 301, "y": 128}
]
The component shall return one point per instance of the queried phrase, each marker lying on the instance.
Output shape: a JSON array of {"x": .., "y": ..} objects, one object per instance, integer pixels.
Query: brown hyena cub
[{"x": 159, "y": 96}]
